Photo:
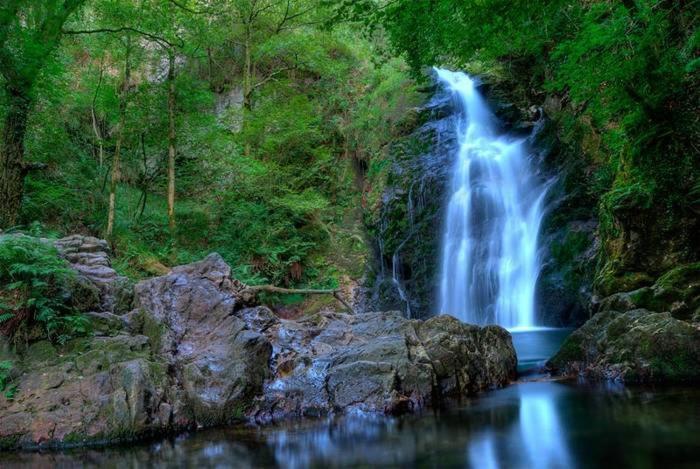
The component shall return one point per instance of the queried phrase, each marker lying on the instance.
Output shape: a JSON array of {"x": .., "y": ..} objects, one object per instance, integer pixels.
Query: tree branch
[
  {"x": 271, "y": 76},
  {"x": 302, "y": 291},
  {"x": 159, "y": 40}
]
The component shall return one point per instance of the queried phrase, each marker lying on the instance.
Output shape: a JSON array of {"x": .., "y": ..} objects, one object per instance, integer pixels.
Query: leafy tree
[{"x": 30, "y": 30}]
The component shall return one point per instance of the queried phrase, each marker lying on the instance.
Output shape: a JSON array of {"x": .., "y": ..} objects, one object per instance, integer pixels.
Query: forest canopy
[{"x": 179, "y": 127}]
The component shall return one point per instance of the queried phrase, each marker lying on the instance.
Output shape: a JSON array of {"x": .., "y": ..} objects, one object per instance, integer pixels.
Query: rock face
[
  {"x": 191, "y": 354},
  {"x": 98, "y": 286},
  {"x": 376, "y": 362},
  {"x": 406, "y": 217},
  {"x": 217, "y": 362},
  {"x": 651, "y": 334},
  {"x": 106, "y": 388}
]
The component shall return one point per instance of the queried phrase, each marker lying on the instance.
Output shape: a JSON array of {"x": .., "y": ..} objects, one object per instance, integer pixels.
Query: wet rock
[
  {"x": 218, "y": 361},
  {"x": 181, "y": 359},
  {"x": 105, "y": 323},
  {"x": 406, "y": 219},
  {"x": 95, "y": 390},
  {"x": 190, "y": 354},
  {"x": 650, "y": 334},
  {"x": 634, "y": 346},
  {"x": 377, "y": 363}
]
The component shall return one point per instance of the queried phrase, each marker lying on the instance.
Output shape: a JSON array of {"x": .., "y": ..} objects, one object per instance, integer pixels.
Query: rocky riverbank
[{"x": 187, "y": 350}]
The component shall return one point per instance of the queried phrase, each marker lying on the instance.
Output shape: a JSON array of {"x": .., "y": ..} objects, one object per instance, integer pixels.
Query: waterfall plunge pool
[
  {"x": 528, "y": 425},
  {"x": 535, "y": 345}
]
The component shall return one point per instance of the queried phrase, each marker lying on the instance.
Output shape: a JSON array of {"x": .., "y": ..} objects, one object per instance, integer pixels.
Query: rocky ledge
[
  {"x": 651, "y": 334},
  {"x": 192, "y": 352}
]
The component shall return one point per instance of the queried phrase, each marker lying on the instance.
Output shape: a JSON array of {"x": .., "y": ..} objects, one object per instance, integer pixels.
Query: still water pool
[{"x": 532, "y": 424}]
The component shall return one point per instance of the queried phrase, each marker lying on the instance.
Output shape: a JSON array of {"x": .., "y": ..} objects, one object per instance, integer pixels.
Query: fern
[
  {"x": 33, "y": 275},
  {"x": 6, "y": 386}
]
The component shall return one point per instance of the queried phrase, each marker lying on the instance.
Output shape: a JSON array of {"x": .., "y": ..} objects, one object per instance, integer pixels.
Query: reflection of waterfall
[
  {"x": 541, "y": 432},
  {"x": 489, "y": 254},
  {"x": 535, "y": 439},
  {"x": 482, "y": 453}
]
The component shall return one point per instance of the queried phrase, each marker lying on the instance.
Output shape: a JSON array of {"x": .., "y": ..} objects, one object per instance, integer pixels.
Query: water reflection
[
  {"x": 531, "y": 425},
  {"x": 541, "y": 432}
]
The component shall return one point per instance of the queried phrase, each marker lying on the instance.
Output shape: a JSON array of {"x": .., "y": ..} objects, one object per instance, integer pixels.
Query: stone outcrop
[
  {"x": 97, "y": 287},
  {"x": 376, "y": 362},
  {"x": 651, "y": 334},
  {"x": 191, "y": 354},
  {"x": 217, "y": 363},
  {"x": 99, "y": 389}
]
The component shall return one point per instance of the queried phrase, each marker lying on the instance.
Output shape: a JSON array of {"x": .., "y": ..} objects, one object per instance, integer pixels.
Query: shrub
[{"x": 32, "y": 278}]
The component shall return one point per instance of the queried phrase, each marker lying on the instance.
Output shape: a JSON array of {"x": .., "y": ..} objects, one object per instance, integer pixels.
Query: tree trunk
[
  {"x": 247, "y": 72},
  {"x": 247, "y": 87},
  {"x": 171, "y": 140},
  {"x": 12, "y": 168},
  {"x": 116, "y": 161},
  {"x": 209, "y": 67},
  {"x": 95, "y": 124}
]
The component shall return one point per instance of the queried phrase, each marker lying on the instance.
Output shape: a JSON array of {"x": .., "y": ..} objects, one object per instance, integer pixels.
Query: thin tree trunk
[
  {"x": 247, "y": 72},
  {"x": 171, "y": 139},
  {"x": 247, "y": 87},
  {"x": 12, "y": 168},
  {"x": 209, "y": 66},
  {"x": 144, "y": 185},
  {"x": 95, "y": 126},
  {"x": 116, "y": 161}
]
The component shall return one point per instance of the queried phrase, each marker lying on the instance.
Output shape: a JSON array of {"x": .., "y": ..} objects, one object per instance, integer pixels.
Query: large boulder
[
  {"x": 633, "y": 346},
  {"x": 376, "y": 363},
  {"x": 181, "y": 359},
  {"x": 100, "y": 389},
  {"x": 218, "y": 361},
  {"x": 651, "y": 334}
]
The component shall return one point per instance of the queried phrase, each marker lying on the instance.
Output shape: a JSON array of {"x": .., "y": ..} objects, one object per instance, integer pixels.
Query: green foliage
[
  {"x": 33, "y": 275},
  {"x": 624, "y": 71},
  {"x": 6, "y": 386},
  {"x": 273, "y": 187}
]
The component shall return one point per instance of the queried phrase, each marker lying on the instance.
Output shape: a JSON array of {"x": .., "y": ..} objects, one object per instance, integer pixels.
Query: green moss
[
  {"x": 9, "y": 442},
  {"x": 680, "y": 276},
  {"x": 154, "y": 330},
  {"x": 571, "y": 351},
  {"x": 575, "y": 243},
  {"x": 607, "y": 282},
  {"x": 42, "y": 352}
]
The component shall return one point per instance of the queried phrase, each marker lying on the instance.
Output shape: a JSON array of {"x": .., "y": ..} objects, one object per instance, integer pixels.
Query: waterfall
[{"x": 489, "y": 264}]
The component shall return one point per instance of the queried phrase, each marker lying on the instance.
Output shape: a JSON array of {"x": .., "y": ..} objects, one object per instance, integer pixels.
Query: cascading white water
[{"x": 489, "y": 255}]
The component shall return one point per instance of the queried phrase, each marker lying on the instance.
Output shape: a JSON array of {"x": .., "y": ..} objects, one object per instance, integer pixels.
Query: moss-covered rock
[
  {"x": 83, "y": 294},
  {"x": 406, "y": 217},
  {"x": 677, "y": 292},
  {"x": 634, "y": 346},
  {"x": 647, "y": 334},
  {"x": 90, "y": 390}
]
